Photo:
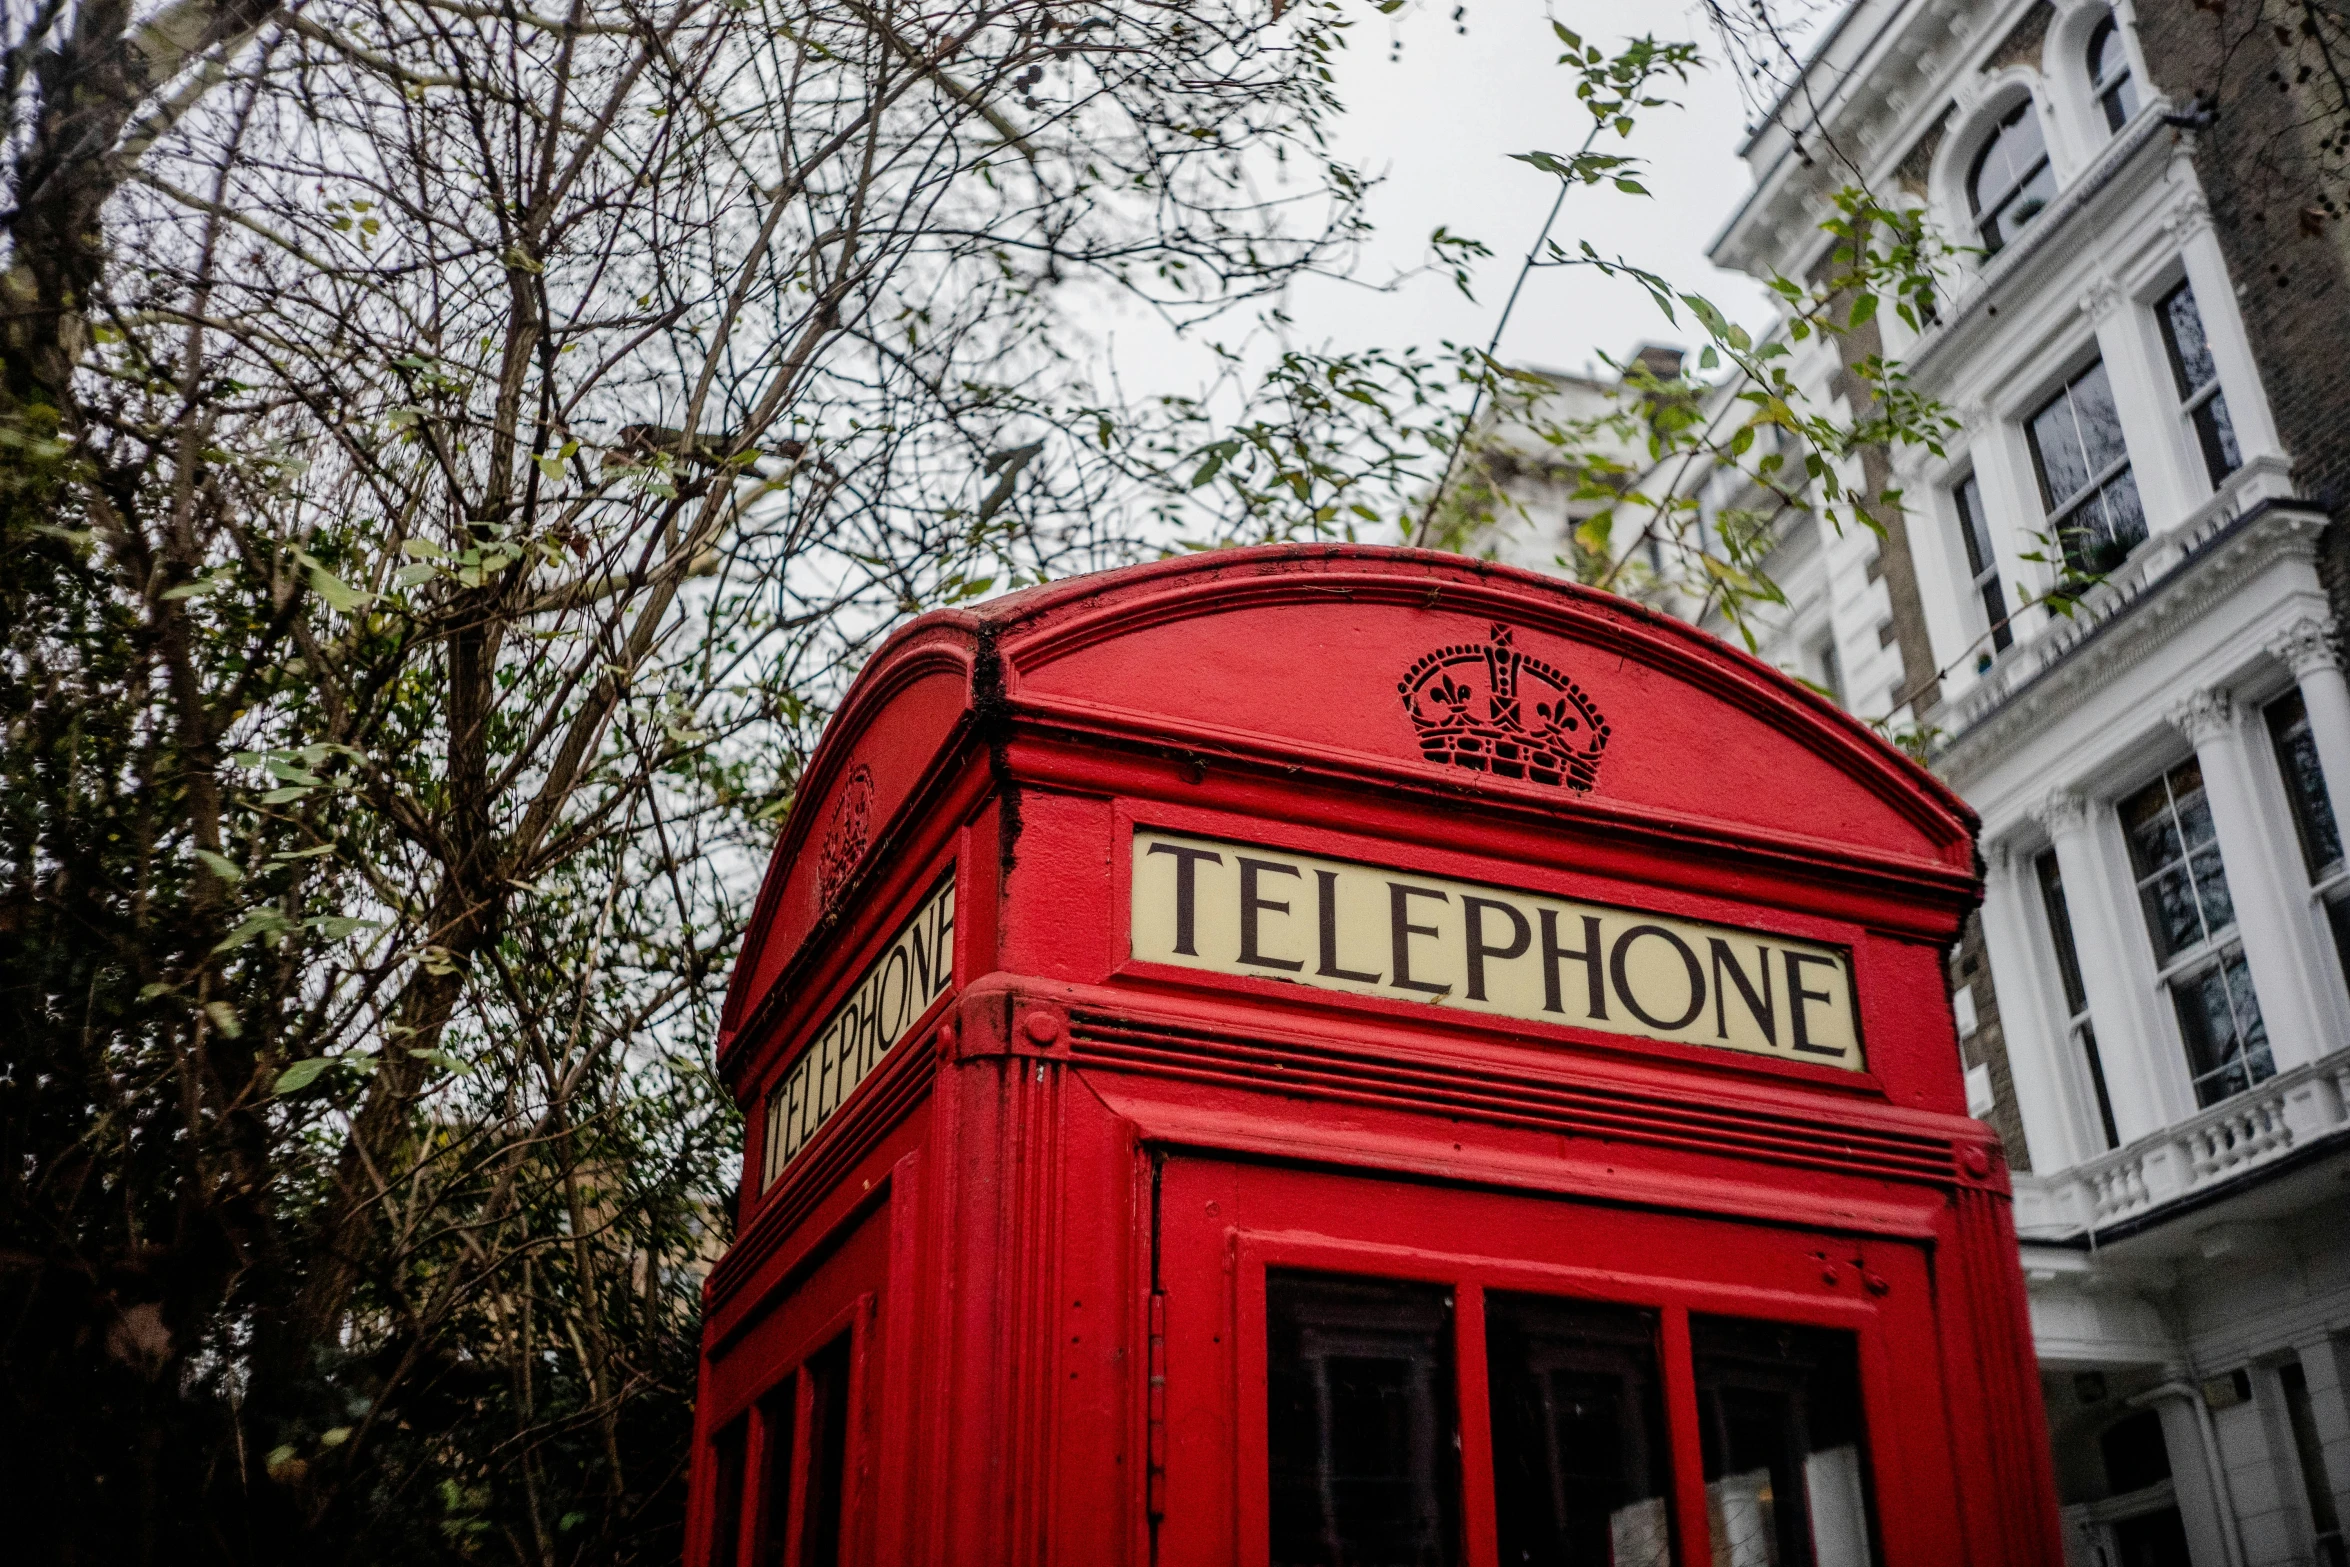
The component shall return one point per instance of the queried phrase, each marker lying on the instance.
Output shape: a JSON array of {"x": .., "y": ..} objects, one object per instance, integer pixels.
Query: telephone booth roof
[{"x": 1334, "y": 671}]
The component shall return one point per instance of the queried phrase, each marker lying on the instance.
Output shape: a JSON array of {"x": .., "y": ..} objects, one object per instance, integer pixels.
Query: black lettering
[
  {"x": 1473, "y": 913},
  {"x": 1631, "y": 1002},
  {"x": 1589, "y": 956},
  {"x": 918, "y": 942},
  {"x": 1187, "y": 860},
  {"x": 1250, "y": 903},
  {"x": 942, "y": 957},
  {"x": 1797, "y": 996},
  {"x": 1327, "y": 896},
  {"x": 903, "y": 964},
  {"x": 1399, "y": 911},
  {"x": 1764, "y": 1008}
]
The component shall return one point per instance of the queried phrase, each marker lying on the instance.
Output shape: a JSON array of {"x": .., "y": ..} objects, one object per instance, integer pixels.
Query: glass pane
[
  {"x": 1362, "y": 1435},
  {"x": 2105, "y": 1120},
  {"x": 2056, "y": 443},
  {"x": 2101, "y": 422},
  {"x": 2170, "y": 909},
  {"x": 2031, "y": 198},
  {"x": 2125, "y": 518},
  {"x": 2105, "y": 53},
  {"x": 2211, "y": 890},
  {"x": 2060, "y": 931},
  {"x": 2154, "y": 835},
  {"x": 1786, "y": 1469},
  {"x": 779, "y": 1414},
  {"x": 726, "y": 1491},
  {"x": 2216, "y": 435},
  {"x": 1580, "y": 1452},
  {"x": 2182, "y": 332},
  {"x": 1995, "y": 615},
  {"x": 1969, "y": 496},
  {"x": 828, "y": 1452},
  {"x": 2219, "y": 1018},
  {"x": 2121, "y": 101},
  {"x": 2305, "y": 782},
  {"x": 2251, "y": 1032},
  {"x": 2135, "y": 1453}
]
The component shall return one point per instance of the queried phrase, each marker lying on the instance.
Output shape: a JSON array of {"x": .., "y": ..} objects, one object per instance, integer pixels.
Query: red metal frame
[{"x": 1053, "y": 1364}]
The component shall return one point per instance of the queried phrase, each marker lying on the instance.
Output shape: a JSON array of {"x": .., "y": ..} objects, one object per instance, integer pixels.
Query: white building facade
[{"x": 2156, "y": 1011}]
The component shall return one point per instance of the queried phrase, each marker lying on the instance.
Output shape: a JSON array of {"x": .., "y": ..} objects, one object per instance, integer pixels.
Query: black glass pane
[
  {"x": 2305, "y": 782},
  {"x": 2135, "y": 1454},
  {"x": 1786, "y": 1466},
  {"x": 828, "y": 1451},
  {"x": 2060, "y": 932},
  {"x": 2121, "y": 101},
  {"x": 1362, "y": 1434},
  {"x": 2219, "y": 1018},
  {"x": 1970, "y": 526},
  {"x": 779, "y": 1417},
  {"x": 2105, "y": 52},
  {"x": 1580, "y": 1452},
  {"x": 2105, "y": 1120},
  {"x": 2215, "y": 434},
  {"x": 2182, "y": 334},
  {"x": 726, "y": 1492},
  {"x": 2155, "y": 1539}
]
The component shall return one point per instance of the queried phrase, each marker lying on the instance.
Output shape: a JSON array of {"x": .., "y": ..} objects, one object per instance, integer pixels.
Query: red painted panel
[{"x": 1055, "y": 1208}]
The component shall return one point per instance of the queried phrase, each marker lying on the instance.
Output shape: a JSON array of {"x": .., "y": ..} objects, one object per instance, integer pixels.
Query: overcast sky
[{"x": 1440, "y": 123}]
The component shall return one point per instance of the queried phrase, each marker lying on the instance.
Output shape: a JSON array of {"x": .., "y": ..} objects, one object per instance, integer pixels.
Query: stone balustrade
[{"x": 2277, "y": 1118}]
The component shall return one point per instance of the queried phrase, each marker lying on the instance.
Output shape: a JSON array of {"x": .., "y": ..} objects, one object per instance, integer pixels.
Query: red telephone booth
[{"x": 1351, "y": 1056}]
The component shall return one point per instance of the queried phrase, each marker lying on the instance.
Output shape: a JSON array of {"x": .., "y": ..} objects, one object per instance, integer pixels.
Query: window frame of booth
[{"x": 1888, "y": 1332}]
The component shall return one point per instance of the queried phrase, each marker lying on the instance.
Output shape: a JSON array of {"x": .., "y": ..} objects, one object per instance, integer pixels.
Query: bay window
[
  {"x": 2313, "y": 815},
  {"x": 2197, "y": 380},
  {"x": 2191, "y": 918},
  {"x": 2084, "y": 470}
]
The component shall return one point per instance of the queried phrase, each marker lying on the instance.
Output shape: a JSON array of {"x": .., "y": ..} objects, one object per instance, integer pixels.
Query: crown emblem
[
  {"x": 845, "y": 841},
  {"x": 1488, "y": 707}
]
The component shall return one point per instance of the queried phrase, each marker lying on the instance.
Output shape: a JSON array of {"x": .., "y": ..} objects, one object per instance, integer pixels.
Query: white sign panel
[
  {"x": 1233, "y": 908},
  {"x": 891, "y": 995}
]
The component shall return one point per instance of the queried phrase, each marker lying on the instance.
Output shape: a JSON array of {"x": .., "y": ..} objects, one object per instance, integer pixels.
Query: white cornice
[{"x": 2113, "y": 630}]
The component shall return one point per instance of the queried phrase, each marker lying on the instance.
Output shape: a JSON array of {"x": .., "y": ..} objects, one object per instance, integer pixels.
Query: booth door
[{"x": 1368, "y": 1373}]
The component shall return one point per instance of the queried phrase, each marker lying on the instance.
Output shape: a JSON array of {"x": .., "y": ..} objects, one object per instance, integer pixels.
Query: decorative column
[
  {"x": 2024, "y": 978},
  {"x": 2308, "y": 649},
  {"x": 2271, "y": 918},
  {"x": 2103, "y": 925}
]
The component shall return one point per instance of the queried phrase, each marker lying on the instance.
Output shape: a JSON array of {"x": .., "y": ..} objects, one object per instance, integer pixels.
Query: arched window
[
  {"x": 2011, "y": 181},
  {"x": 2109, "y": 75}
]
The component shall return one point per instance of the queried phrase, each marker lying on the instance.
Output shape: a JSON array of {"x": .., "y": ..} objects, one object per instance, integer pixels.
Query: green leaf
[
  {"x": 300, "y": 1075},
  {"x": 224, "y": 1018},
  {"x": 283, "y": 796},
  {"x": 260, "y": 922},
  {"x": 221, "y": 865},
  {"x": 334, "y": 927},
  {"x": 1863, "y": 309},
  {"x": 340, "y": 596}
]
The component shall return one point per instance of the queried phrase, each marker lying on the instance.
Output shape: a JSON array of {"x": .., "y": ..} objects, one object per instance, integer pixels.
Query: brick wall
[{"x": 2289, "y": 257}]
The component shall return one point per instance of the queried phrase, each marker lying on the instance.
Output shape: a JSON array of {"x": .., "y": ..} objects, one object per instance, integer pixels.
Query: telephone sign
[{"x": 1348, "y": 1056}]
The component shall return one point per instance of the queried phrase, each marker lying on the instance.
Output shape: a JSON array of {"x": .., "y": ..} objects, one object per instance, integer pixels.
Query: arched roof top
[{"x": 1410, "y": 671}]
